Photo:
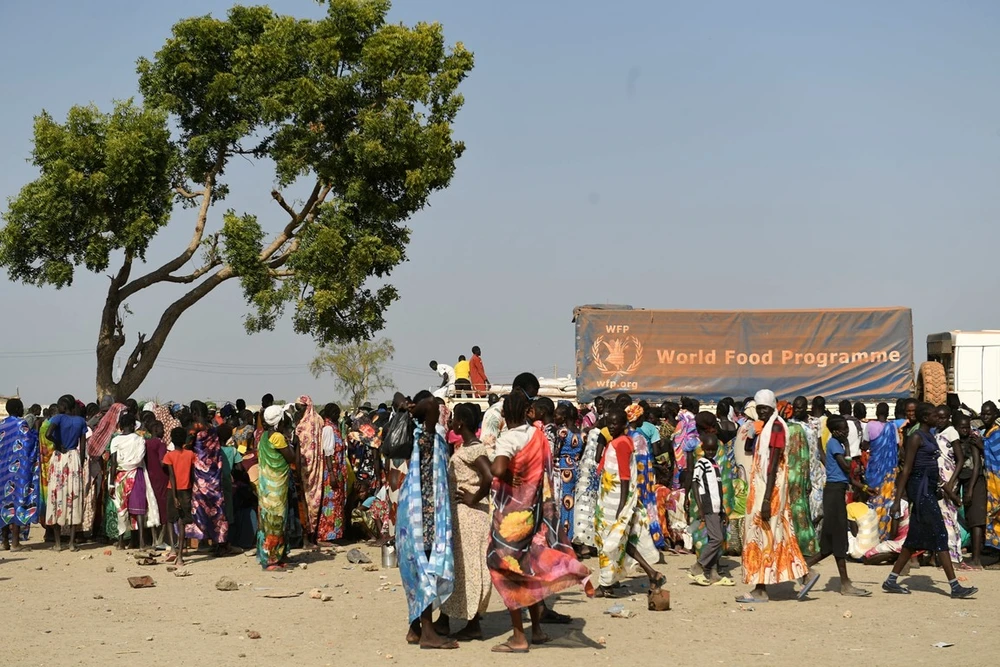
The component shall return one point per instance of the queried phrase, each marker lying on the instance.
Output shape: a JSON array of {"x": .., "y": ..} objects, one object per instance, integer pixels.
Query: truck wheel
[{"x": 932, "y": 383}]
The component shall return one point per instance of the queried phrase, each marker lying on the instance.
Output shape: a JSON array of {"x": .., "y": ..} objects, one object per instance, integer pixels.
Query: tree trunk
[{"x": 111, "y": 338}]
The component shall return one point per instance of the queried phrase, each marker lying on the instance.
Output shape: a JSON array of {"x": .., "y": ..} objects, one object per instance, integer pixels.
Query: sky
[{"x": 723, "y": 155}]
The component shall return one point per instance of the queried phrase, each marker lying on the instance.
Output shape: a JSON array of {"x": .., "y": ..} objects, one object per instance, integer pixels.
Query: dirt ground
[{"x": 71, "y": 606}]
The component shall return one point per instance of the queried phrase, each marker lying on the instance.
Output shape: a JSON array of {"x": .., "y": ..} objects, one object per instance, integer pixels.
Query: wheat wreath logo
[{"x": 611, "y": 355}]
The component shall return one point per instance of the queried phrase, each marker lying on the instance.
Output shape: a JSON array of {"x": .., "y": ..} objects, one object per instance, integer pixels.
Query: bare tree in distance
[{"x": 358, "y": 368}]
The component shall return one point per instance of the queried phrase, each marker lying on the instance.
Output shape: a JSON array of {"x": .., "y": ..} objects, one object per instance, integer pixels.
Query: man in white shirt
[
  {"x": 447, "y": 374},
  {"x": 854, "y": 429}
]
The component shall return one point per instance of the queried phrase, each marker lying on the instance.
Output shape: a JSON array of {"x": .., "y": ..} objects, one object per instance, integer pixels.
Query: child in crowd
[
  {"x": 833, "y": 540},
  {"x": 972, "y": 486},
  {"x": 708, "y": 497},
  {"x": 180, "y": 466}
]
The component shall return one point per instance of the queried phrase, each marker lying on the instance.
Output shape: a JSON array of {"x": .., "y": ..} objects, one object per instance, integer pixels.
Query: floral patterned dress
[
  {"x": 771, "y": 553},
  {"x": 331, "y": 519},
  {"x": 800, "y": 488},
  {"x": 631, "y": 526},
  {"x": 949, "y": 511}
]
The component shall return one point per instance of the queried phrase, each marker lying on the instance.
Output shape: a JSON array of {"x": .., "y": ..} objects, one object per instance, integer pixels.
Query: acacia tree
[
  {"x": 358, "y": 367},
  {"x": 357, "y": 110}
]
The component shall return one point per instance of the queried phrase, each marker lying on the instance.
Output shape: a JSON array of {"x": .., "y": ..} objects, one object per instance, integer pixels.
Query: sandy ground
[{"x": 71, "y": 606}]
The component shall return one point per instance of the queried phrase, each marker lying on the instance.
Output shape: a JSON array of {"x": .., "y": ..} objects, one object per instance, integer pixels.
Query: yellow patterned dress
[{"x": 629, "y": 527}]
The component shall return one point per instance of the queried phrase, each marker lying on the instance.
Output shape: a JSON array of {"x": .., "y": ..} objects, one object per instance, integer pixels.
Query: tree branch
[
  {"x": 198, "y": 273},
  {"x": 283, "y": 204},
  {"x": 318, "y": 196},
  {"x": 188, "y": 195},
  {"x": 161, "y": 274}
]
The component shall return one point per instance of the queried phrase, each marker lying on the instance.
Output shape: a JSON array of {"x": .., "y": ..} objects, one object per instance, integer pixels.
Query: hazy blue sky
[{"x": 668, "y": 155}]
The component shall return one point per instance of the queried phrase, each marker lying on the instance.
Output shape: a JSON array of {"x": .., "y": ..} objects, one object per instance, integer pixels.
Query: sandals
[
  {"x": 810, "y": 582},
  {"x": 724, "y": 581},
  {"x": 701, "y": 580},
  {"x": 748, "y": 598},
  {"x": 507, "y": 648}
]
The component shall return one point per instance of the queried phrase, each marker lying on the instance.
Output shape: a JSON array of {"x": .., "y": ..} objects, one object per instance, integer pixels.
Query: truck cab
[{"x": 966, "y": 363}]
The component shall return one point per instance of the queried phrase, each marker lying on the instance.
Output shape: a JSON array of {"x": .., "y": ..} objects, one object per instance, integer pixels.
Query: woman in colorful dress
[
  {"x": 569, "y": 450},
  {"x": 771, "y": 553},
  {"x": 920, "y": 478},
  {"x": 623, "y": 535},
  {"x": 470, "y": 480},
  {"x": 133, "y": 494},
  {"x": 685, "y": 438},
  {"x": 991, "y": 462},
  {"x": 331, "y": 518},
  {"x": 20, "y": 476},
  {"x": 800, "y": 488},
  {"x": 528, "y": 561},
  {"x": 424, "y": 529},
  {"x": 585, "y": 501},
  {"x": 99, "y": 517},
  {"x": 275, "y": 458},
  {"x": 207, "y": 503},
  {"x": 949, "y": 463},
  {"x": 309, "y": 433},
  {"x": 643, "y": 479}
]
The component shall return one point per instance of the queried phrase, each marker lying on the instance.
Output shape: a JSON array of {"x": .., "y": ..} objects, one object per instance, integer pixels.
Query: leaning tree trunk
[{"x": 111, "y": 338}]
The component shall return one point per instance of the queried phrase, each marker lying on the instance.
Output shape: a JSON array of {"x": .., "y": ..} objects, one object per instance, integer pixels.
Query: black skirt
[
  {"x": 833, "y": 539},
  {"x": 927, "y": 531}
]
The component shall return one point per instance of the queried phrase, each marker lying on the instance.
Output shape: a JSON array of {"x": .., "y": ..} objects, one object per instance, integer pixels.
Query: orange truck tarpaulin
[{"x": 659, "y": 354}]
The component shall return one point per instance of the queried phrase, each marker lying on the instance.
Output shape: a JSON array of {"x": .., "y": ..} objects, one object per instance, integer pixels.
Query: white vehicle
[
  {"x": 558, "y": 389},
  {"x": 966, "y": 363}
]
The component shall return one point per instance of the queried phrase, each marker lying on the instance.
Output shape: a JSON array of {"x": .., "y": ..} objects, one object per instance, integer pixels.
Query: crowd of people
[{"x": 515, "y": 497}]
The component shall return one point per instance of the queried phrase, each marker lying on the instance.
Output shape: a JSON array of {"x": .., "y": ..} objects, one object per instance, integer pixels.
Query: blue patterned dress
[
  {"x": 567, "y": 466},
  {"x": 20, "y": 474}
]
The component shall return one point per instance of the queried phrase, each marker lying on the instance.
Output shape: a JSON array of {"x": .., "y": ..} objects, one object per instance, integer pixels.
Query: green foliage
[
  {"x": 358, "y": 367},
  {"x": 359, "y": 109},
  {"x": 104, "y": 185},
  {"x": 362, "y": 107}
]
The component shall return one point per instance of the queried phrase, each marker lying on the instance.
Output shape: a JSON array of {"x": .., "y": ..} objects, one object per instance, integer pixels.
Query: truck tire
[{"x": 932, "y": 383}]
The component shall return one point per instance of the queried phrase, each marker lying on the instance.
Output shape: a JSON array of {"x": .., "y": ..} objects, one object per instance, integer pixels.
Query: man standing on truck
[
  {"x": 480, "y": 383},
  {"x": 447, "y": 374}
]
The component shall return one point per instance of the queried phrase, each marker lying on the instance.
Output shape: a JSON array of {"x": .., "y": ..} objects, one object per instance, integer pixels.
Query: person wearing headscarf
[
  {"x": 643, "y": 479},
  {"x": 771, "y": 553},
  {"x": 165, "y": 417},
  {"x": 207, "y": 500},
  {"x": 94, "y": 504},
  {"x": 309, "y": 433},
  {"x": 275, "y": 458}
]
